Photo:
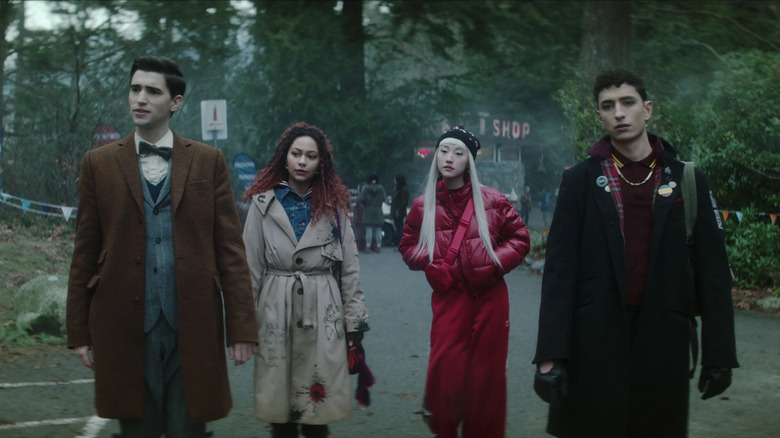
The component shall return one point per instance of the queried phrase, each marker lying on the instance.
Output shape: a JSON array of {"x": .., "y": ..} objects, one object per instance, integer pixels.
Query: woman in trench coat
[{"x": 310, "y": 305}]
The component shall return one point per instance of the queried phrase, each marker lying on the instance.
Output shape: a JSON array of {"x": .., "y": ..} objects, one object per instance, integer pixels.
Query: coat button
[
  {"x": 299, "y": 324},
  {"x": 157, "y": 240},
  {"x": 300, "y": 291},
  {"x": 136, "y": 300},
  {"x": 299, "y": 260},
  {"x": 138, "y": 260},
  {"x": 156, "y": 210}
]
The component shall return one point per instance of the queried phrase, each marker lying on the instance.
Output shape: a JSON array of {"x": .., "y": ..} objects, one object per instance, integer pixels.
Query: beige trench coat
[{"x": 301, "y": 365}]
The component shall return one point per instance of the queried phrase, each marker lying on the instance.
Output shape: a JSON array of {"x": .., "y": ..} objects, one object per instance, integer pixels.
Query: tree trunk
[
  {"x": 7, "y": 10},
  {"x": 353, "y": 80},
  {"x": 606, "y": 36}
]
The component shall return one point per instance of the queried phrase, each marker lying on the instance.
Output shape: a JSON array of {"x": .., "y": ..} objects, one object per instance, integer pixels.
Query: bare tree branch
[{"x": 759, "y": 172}]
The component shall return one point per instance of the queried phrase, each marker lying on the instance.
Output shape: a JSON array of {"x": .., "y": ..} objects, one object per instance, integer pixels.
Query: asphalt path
[{"x": 50, "y": 395}]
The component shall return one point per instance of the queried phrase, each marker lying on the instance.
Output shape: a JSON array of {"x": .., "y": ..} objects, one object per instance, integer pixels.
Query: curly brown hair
[{"x": 328, "y": 192}]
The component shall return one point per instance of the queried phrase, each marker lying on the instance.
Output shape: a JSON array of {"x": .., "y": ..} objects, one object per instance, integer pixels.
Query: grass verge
[{"x": 30, "y": 246}]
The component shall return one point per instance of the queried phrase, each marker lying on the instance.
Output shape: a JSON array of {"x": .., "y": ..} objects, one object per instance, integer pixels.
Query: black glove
[
  {"x": 354, "y": 339},
  {"x": 713, "y": 381},
  {"x": 553, "y": 386}
]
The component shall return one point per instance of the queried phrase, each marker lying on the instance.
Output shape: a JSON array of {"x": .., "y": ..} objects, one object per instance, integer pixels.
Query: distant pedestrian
[
  {"x": 398, "y": 206},
  {"x": 525, "y": 205},
  {"x": 372, "y": 197},
  {"x": 466, "y": 237},
  {"x": 546, "y": 206},
  {"x": 357, "y": 221},
  {"x": 310, "y": 306}
]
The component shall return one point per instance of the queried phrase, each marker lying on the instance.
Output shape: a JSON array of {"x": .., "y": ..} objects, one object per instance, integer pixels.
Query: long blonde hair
[{"x": 427, "y": 240}]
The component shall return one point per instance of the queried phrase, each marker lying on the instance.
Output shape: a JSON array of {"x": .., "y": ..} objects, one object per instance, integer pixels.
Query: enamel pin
[{"x": 665, "y": 191}]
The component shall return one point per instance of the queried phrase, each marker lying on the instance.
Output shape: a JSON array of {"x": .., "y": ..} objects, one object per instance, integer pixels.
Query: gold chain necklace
[{"x": 619, "y": 165}]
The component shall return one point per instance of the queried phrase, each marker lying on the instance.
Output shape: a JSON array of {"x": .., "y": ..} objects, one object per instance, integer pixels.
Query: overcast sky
[{"x": 37, "y": 15}]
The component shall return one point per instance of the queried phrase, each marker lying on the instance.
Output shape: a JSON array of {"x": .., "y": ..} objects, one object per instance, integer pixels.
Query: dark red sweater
[{"x": 638, "y": 220}]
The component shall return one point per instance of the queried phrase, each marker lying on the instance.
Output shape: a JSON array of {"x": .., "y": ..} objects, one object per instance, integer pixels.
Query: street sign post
[
  {"x": 245, "y": 168},
  {"x": 213, "y": 118}
]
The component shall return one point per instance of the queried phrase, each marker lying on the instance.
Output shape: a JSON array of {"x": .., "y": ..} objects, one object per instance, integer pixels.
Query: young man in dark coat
[
  {"x": 616, "y": 310},
  {"x": 159, "y": 280}
]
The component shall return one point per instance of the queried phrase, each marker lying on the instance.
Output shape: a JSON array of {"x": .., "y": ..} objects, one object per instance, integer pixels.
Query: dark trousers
[
  {"x": 165, "y": 409},
  {"x": 399, "y": 228},
  {"x": 290, "y": 430}
]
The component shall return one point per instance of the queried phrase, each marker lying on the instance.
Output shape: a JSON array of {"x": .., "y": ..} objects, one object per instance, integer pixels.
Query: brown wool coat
[{"x": 106, "y": 287}]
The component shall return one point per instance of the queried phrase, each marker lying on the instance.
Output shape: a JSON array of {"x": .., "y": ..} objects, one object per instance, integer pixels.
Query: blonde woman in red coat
[{"x": 466, "y": 383}]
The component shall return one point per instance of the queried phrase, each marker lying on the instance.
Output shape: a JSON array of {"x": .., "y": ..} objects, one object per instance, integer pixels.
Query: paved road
[{"x": 397, "y": 353}]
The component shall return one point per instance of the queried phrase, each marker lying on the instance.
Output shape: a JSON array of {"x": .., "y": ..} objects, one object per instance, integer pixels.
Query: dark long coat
[
  {"x": 106, "y": 287},
  {"x": 583, "y": 295}
]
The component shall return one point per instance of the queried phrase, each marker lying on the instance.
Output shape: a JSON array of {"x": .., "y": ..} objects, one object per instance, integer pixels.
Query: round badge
[
  {"x": 665, "y": 191},
  {"x": 601, "y": 181},
  {"x": 672, "y": 184}
]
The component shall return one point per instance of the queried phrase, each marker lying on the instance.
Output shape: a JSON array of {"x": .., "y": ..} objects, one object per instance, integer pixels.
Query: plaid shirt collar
[{"x": 602, "y": 152}]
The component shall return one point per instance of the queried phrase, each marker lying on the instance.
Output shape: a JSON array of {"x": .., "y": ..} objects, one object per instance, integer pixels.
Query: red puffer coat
[{"x": 473, "y": 266}]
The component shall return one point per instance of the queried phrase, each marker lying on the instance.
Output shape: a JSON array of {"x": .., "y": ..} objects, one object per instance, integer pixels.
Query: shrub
[{"x": 752, "y": 245}]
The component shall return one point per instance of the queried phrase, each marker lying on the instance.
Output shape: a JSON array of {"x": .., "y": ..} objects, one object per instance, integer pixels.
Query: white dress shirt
[{"x": 153, "y": 166}]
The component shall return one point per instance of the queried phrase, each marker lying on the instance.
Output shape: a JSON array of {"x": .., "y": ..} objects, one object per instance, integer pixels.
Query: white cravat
[{"x": 153, "y": 166}]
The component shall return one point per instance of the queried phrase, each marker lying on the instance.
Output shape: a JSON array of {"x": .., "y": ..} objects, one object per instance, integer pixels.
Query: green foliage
[
  {"x": 752, "y": 249},
  {"x": 30, "y": 246},
  {"x": 733, "y": 132},
  {"x": 485, "y": 57},
  {"x": 579, "y": 109},
  {"x": 48, "y": 339},
  {"x": 36, "y": 226},
  {"x": 382, "y": 77},
  {"x": 12, "y": 335},
  {"x": 538, "y": 245},
  {"x": 739, "y": 138}
]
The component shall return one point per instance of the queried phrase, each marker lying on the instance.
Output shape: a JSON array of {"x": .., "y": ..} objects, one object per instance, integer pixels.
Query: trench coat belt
[{"x": 308, "y": 305}]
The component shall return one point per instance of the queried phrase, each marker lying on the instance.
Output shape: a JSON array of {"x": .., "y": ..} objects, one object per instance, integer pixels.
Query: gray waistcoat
[{"x": 160, "y": 293}]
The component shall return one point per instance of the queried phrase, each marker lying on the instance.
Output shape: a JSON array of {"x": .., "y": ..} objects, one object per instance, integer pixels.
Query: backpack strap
[
  {"x": 690, "y": 203},
  {"x": 689, "y": 197}
]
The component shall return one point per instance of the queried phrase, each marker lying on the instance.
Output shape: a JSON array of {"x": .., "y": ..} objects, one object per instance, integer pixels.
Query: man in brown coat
[{"x": 158, "y": 251}]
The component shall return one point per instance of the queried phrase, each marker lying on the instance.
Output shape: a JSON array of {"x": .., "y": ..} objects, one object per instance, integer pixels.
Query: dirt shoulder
[
  {"x": 29, "y": 247},
  {"x": 746, "y": 298}
]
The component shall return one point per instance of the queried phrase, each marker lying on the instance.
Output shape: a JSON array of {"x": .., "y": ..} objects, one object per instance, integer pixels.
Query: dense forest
[{"x": 383, "y": 77}]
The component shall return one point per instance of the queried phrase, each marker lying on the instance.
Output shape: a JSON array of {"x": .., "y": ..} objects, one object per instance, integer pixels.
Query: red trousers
[{"x": 466, "y": 381}]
